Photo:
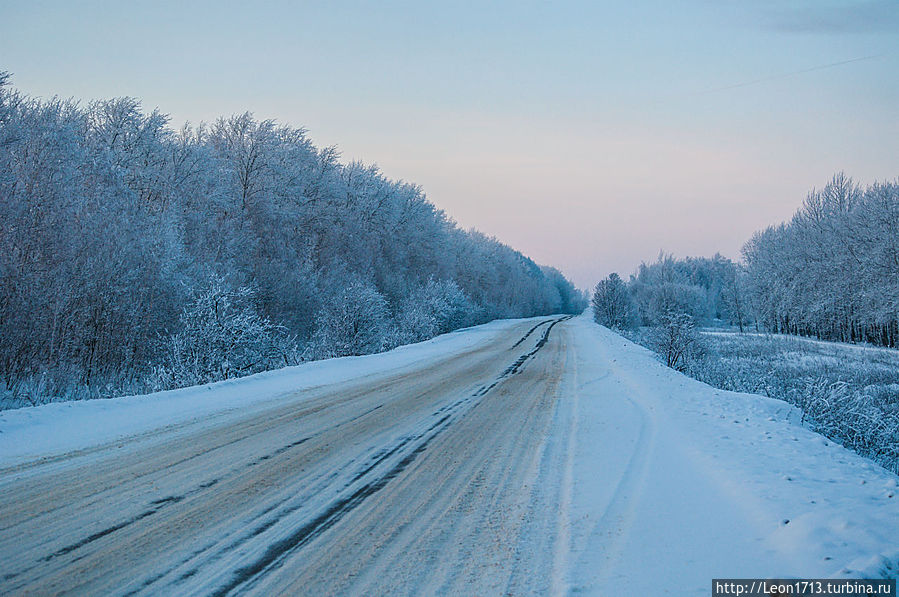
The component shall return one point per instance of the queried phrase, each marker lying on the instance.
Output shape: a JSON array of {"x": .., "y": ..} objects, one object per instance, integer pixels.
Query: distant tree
[
  {"x": 675, "y": 338},
  {"x": 571, "y": 299},
  {"x": 612, "y": 305},
  {"x": 703, "y": 287}
]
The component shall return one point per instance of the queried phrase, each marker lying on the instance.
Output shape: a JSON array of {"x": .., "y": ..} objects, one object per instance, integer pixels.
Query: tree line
[
  {"x": 831, "y": 272},
  {"x": 134, "y": 256},
  {"x": 709, "y": 290}
]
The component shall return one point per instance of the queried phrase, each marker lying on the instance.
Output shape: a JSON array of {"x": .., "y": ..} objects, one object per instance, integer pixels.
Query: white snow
[
  {"x": 831, "y": 345},
  {"x": 29, "y": 433},
  {"x": 667, "y": 482},
  {"x": 676, "y": 483}
]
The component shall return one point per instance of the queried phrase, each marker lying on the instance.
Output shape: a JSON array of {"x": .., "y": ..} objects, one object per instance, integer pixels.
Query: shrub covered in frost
[
  {"x": 221, "y": 336},
  {"x": 353, "y": 322},
  {"x": 435, "y": 308},
  {"x": 675, "y": 338}
]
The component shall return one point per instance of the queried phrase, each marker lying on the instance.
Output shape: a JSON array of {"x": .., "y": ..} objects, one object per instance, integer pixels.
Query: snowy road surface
[{"x": 544, "y": 456}]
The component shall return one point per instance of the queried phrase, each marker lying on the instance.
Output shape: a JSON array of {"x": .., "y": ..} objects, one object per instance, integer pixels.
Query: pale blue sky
[{"x": 588, "y": 135}]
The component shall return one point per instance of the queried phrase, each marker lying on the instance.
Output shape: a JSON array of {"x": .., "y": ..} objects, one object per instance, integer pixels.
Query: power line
[{"x": 790, "y": 74}]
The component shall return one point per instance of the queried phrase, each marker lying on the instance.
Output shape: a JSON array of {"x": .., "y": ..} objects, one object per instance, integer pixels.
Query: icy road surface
[{"x": 545, "y": 456}]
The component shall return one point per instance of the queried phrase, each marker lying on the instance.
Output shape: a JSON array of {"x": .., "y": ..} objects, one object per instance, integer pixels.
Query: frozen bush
[
  {"x": 675, "y": 339},
  {"x": 222, "y": 336},
  {"x": 353, "y": 322},
  {"x": 435, "y": 308}
]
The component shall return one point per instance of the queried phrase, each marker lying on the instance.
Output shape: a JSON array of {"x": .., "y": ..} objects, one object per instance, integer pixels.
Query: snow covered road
[
  {"x": 542, "y": 456},
  {"x": 417, "y": 479}
]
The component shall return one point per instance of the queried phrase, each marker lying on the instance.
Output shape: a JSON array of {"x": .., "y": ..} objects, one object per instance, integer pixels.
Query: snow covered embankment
[
  {"x": 35, "y": 432},
  {"x": 676, "y": 483}
]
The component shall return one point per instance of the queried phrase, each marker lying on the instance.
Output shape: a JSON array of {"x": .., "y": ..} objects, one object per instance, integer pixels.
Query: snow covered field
[
  {"x": 848, "y": 392},
  {"x": 521, "y": 456}
]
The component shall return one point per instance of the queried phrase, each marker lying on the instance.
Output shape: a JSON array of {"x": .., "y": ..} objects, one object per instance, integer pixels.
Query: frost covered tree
[
  {"x": 701, "y": 287},
  {"x": 612, "y": 305},
  {"x": 832, "y": 271},
  {"x": 110, "y": 222},
  {"x": 435, "y": 308}
]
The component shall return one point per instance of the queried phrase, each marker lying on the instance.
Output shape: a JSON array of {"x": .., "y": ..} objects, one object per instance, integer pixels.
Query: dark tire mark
[
  {"x": 517, "y": 365},
  {"x": 529, "y": 332}
]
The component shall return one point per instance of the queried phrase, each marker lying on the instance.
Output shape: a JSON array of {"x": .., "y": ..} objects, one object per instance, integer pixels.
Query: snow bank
[
  {"x": 677, "y": 483},
  {"x": 34, "y": 432}
]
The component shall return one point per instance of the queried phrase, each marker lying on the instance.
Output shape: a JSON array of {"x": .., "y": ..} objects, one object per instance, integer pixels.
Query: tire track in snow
[
  {"x": 619, "y": 513},
  {"x": 157, "y": 505},
  {"x": 529, "y": 332}
]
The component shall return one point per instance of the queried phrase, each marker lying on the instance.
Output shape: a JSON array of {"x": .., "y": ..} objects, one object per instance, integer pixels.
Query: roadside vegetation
[
  {"x": 778, "y": 323},
  {"x": 847, "y": 392},
  {"x": 135, "y": 257}
]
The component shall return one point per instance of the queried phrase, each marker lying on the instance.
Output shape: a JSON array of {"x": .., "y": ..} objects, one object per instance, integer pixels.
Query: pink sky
[{"x": 590, "y": 136}]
